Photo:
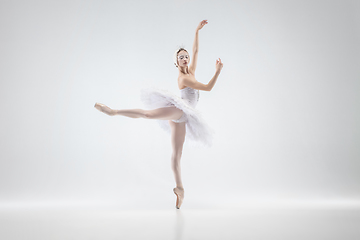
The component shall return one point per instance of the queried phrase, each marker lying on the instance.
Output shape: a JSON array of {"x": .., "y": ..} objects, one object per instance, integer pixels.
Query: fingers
[
  {"x": 203, "y": 22},
  {"x": 219, "y": 63}
]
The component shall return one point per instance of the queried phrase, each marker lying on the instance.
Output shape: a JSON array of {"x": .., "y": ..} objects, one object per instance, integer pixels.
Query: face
[{"x": 183, "y": 58}]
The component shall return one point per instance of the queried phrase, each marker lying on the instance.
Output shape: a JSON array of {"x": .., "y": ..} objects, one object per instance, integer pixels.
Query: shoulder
[
  {"x": 181, "y": 78},
  {"x": 185, "y": 78},
  {"x": 181, "y": 83}
]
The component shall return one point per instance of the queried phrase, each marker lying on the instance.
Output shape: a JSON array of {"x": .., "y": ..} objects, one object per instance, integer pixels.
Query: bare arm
[
  {"x": 192, "y": 66},
  {"x": 195, "y": 49},
  {"x": 191, "y": 82},
  {"x": 194, "y": 84}
]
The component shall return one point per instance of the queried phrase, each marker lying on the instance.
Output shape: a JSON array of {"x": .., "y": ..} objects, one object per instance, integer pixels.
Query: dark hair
[{"x": 176, "y": 54}]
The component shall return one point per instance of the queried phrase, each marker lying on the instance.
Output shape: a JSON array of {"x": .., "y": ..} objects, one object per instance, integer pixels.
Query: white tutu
[{"x": 196, "y": 128}]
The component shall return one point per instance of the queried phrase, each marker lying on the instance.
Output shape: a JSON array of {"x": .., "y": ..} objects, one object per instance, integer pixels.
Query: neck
[{"x": 184, "y": 70}]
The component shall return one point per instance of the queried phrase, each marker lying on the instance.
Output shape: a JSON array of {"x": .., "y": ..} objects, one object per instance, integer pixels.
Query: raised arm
[
  {"x": 195, "y": 50},
  {"x": 191, "y": 82}
]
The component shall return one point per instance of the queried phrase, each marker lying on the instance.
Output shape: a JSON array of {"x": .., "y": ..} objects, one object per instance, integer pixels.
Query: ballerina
[{"x": 178, "y": 115}]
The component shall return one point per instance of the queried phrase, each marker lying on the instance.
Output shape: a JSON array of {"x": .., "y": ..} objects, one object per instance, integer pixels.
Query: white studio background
[{"x": 285, "y": 108}]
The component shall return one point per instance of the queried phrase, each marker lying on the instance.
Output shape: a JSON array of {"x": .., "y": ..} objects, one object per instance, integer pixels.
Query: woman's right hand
[{"x": 218, "y": 65}]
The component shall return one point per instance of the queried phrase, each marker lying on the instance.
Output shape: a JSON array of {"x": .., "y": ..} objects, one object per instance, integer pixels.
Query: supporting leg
[{"x": 178, "y": 131}]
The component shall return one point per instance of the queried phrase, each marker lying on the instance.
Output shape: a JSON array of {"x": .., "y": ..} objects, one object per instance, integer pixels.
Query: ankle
[{"x": 180, "y": 187}]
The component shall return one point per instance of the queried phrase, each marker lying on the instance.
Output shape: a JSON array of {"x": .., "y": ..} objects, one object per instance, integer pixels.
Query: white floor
[{"x": 218, "y": 223}]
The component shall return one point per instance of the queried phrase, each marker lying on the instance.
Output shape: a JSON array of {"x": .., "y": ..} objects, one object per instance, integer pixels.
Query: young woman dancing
[{"x": 175, "y": 114}]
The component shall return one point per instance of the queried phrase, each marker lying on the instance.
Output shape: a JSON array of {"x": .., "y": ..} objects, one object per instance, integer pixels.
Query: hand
[
  {"x": 201, "y": 24},
  {"x": 218, "y": 65}
]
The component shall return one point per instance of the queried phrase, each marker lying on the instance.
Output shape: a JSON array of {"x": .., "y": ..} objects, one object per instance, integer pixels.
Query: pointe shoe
[
  {"x": 179, "y": 197},
  {"x": 103, "y": 108}
]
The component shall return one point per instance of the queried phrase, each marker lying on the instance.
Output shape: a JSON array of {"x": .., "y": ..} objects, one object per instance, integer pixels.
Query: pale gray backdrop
[{"x": 285, "y": 108}]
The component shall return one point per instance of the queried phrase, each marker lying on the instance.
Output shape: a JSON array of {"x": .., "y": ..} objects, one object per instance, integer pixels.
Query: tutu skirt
[{"x": 197, "y": 129}]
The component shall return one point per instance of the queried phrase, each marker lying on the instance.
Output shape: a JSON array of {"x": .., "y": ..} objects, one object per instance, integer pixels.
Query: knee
[
  {"x": 147, "y": 114},
  {"x": 176, "y": 155}
]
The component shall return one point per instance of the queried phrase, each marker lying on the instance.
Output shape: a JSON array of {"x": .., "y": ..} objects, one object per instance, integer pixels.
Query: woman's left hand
[{"x": 201, "y": 24}]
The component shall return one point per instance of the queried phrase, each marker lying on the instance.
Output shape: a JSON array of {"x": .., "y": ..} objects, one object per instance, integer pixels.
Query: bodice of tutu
[{"x": 190, "y": 95}]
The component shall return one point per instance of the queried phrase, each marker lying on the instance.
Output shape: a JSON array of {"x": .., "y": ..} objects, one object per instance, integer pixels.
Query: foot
[
  {"x": 179, "y": 192},
  {"x": 105, "y": 109}
]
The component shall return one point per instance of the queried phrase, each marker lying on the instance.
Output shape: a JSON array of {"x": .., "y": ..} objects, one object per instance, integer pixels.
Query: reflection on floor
[{"x": 219, "y": 223}]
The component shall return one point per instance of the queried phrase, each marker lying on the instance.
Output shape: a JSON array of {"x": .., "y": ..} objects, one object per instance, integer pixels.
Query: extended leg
[{"x": 166, "y": 113}]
